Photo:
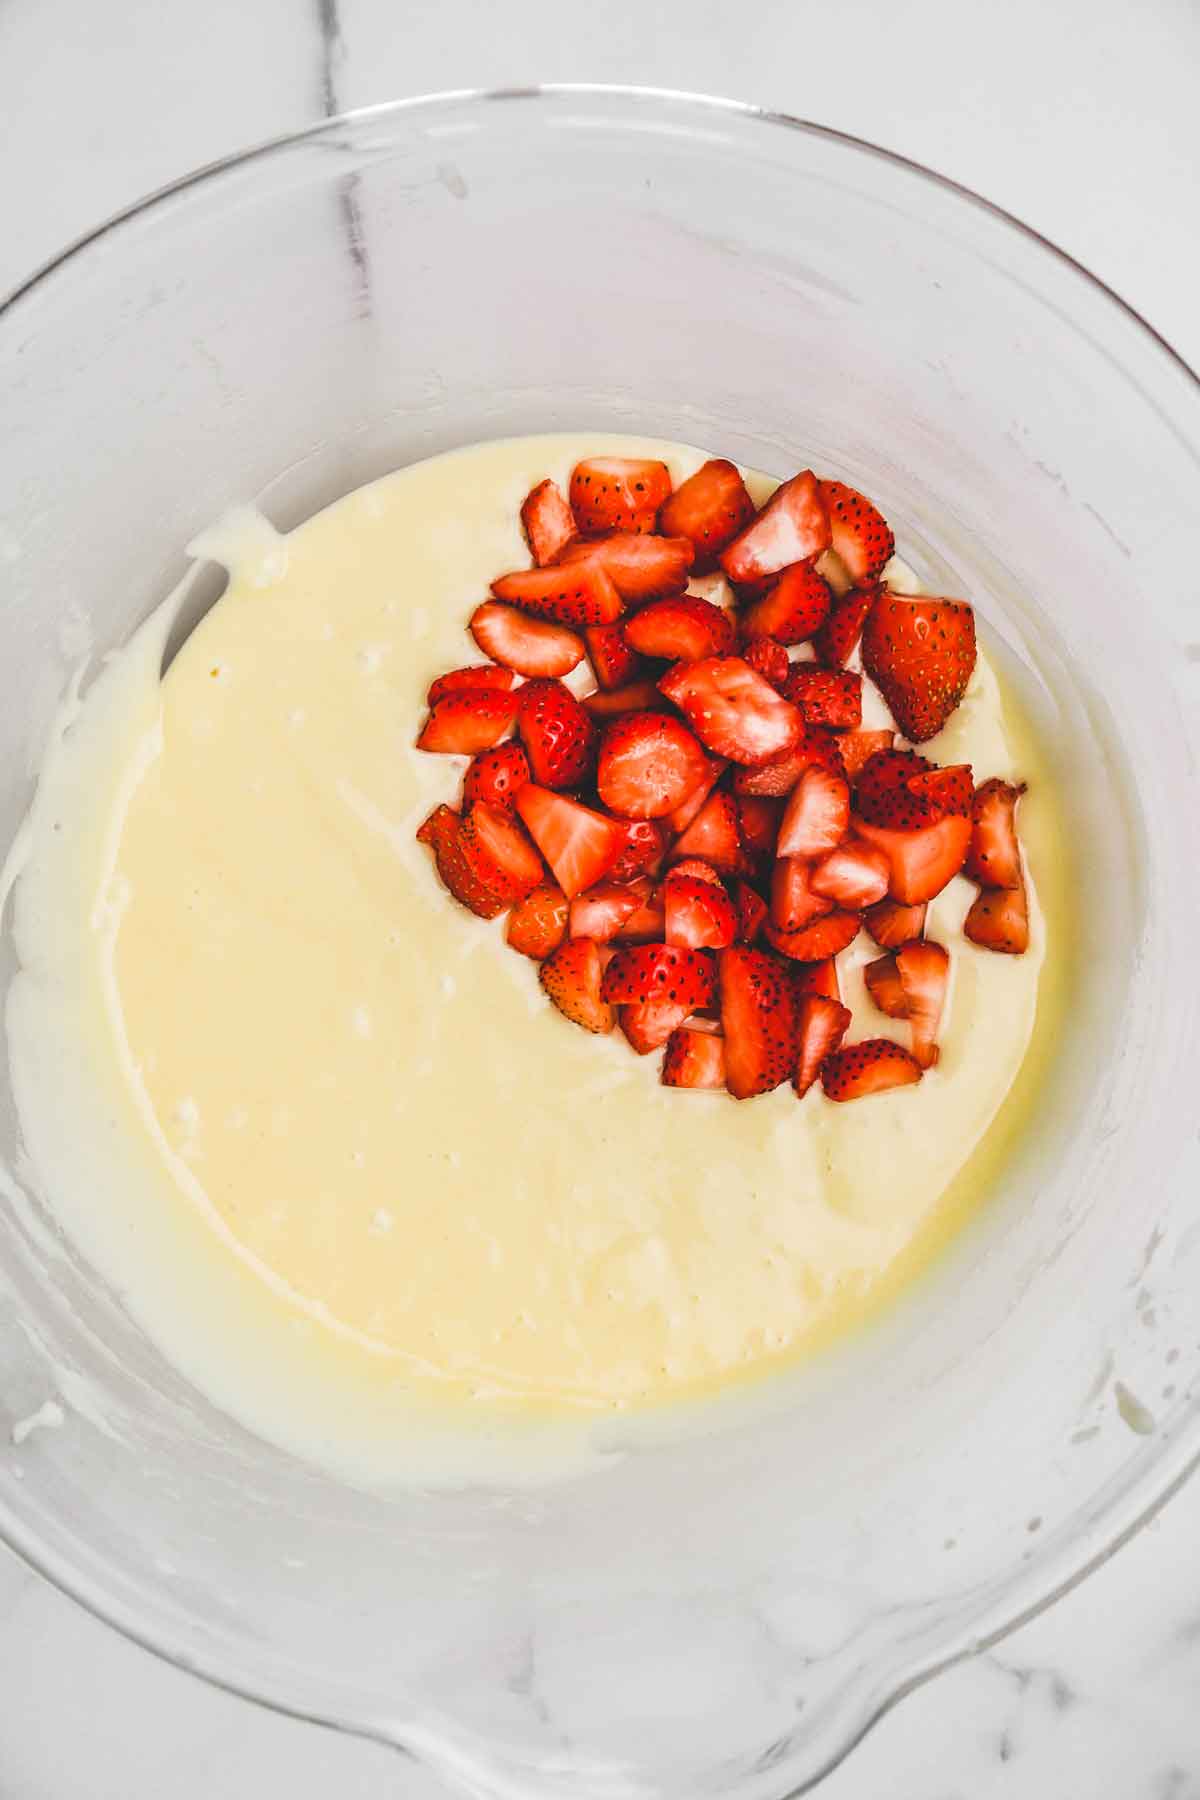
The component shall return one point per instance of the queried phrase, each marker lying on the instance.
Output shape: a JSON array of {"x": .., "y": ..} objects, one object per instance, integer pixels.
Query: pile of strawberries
[{"x": 687, "y": 849}]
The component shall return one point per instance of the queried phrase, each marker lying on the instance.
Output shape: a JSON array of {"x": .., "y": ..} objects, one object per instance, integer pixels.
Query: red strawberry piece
[
  {"x": 999, "y": 920},
  {"x": 860, "y": 533},
  {"x": 530, "y": 646},
  {"x": 649, "y": 763},
  {"x": 924, "y": 971},
  {"x": 768, "y": 658},
  {"x": 709, "y": 509},
  {"x": 558, "y": 733},
  {"x": 751, "y": 912},
  {"x": 793, "y": 903},
  {"x": 499, "y": 852},
  {"x": 639, "y": 696},
  {"x": 694, "y": 1059},
  {"x": 818, "y": 748},
  {"x": 758, "y": 1019},
  {"x": 821, "y": 1024},
  {"x": 649, "y": 1025},
  {"x": 870, "y": 1067},
  {"x": 659, "y": 972},
  {"x": 571, "y": 976},
  {"x": 698, "y": 869},
  {"x": 580, "y": 845},
  {"x": 885, "y": 987},
  {"x": 645, "y": 846},
  {"x": 681, "y": 630},
  {"x": 615, "y": 664},
  {"x": 441, "y": 832},
  {"x": 836, "y": 638},
  {"x": 890, "y": 924},
  {"x": 538, "y": 924},
  {"x": 646, "y": 926},
  {"x": 858, "y": 747},
  {"x": 494, "y": 776},
  {"x": 817, "y": 815},
  {"x": 920, "y": 655},
  {"x": 758, "y": 823},
  {"x": 713, "y": 835},
  {"x": 639, "y": 567},
  {"x": 994, "y": 859},
  {"x": 428, "y": 830},
  {"x": 698, "y": 913},
  {"x": 458, "y": 681},
  {"x": 826, "y": 696},
  {"x": 600, "y": 911},
  {"x": 618, "y": 493},
  {"x": 921, "y": 861},
  {"x": 577, "y": 594},
  {"x": 733, "y": 710},
  {"x": 469, "y": 720},
  {"x": 818, "y": 978},
  {"x": 792, "y": 609},
  {"x": 792, "y": 527},
  {"x": 885, "y": 795},
  {"x": 855, "y": 875},
  {"x": 949, "y": 790},
  {"x": 547, "y": 521},
  {"x": 823, "y": 938},
  {"x": 681, "y": 817}
]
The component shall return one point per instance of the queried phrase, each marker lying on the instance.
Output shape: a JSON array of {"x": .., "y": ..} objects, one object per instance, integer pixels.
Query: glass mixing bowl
[{"x": 725, "y": 1614}]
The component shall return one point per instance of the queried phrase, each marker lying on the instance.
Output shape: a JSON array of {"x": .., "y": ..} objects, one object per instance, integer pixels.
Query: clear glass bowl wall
[{"x": 726, "y": 1614}]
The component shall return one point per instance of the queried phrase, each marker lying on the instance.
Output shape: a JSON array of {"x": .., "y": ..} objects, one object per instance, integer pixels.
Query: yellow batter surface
[{"x": 360, "y": 1128}]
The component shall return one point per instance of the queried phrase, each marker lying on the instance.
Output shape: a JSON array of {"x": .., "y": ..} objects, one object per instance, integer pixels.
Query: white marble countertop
[{"x": 1080, "y": 118}]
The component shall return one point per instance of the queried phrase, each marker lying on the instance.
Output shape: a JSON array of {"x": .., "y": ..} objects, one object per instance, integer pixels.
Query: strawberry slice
[
  {"x": 530, "y": 646},
  {"x": 817, "y": 815},
  {"x": 922, "y": 861},
  {"x": 494, "y": 776},
  {"x": 920, "y": 654},
  {"x": 441, "y": 832},
  {"x": 618, "y": 493},
  {"x": 578, "y": 594},
  {"x": 639, "y": 696},
  {"x": 732, "y": 710},
  {"x": 768, "y": 658},
  {"x": 694, "y": 1059},
  {"x": 709, "y": 509},
  {"x": 826, "y": 696},
  {"x": 571, "y": 977},
  {"x": 678, "y": 821},
  {"x": 539, "y": 924},
  {"x": 558, "y": 733},
  {"x": 818, "y": 978},
  {"x": 499, "y": 852},
  {"x": 639, "y": 567},
  {"x": 751, "y": 912},
  {"x": 547, "y": 521},
  {"x": 821, "y": 1024},
  {"x": 681, "y": 630},
  {"x": 822, "y": 939},
  {"x": 713, "y": 835},
  {"x": 948, "y": 790},
  {"x": 999, "y": 920},
  {"x": 890, "y": 924},
  {"x": 758, "y": 1018},
  {"x": 924, "y": 971},
  {"x": 793, "y": 902},
  {"x": 614, "y": 663},
  {"x": 646, "y": 926},
  {"x": 650, "y": 1024},
  {"x": 792, "y": 527},
  {"x": 600, "y": 912},
  {"x": 698, "y": 869},
  {"x": 645, "y": 846},
  {"x": 580, "y": 845},
  {"x": 659, "y": 972},
  {"x": 885, "y": 987},
  {"x": 994, "y": 859},
  {"x": 854, "y": 875},
  {"x": 870, "y": 1067},
  {"x": 792, "y": 609},
  {"x": 860, "y": 533},
  {"x": 758, "y": 823},
  {"x": 698, "y": 913},
  {"x": 885, "y": 794},
  {"x": 649, "y": 763},
  {"x": 458, "y": 681},
  {"x": 836, "y": 638},
  {"x": 818, "y": 748},
  {"x": 858, "y": 747},
  {"x": 468, "y": 720}
]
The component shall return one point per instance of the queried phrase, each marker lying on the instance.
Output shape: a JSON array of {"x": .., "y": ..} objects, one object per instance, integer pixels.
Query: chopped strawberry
[
  {"x": 751, "y": 912},
  {"x": 858, "y": 747},
  {"x": 817, "y": 815},
  {"x": 699, "y": 914},
  {"x": 885, "y": 794},
  {"x": 659, "y": 972},
  {"x": 649, "y": 763},
  {"x": 577, "y": 594},
  {"x": 678, "y": 821},
  {"x": 792, "y": 527},
  {"x": 441, "y": 832},
  {"x": 818, "y": 748},
  {"x": 758, "y": 823},
  {"x": 768, "y": 658},
  {"x": 860, "y": 533},
  {"x": 539, "y": 924},
  {"x": 645, "y": 846},
  {"x": 698, "y": 869},
  {"x": 639, "y": 696},
  {"x": 921, "y": 861},
  {"x": 823, "y": 938},
  {"x": 885, "y": 987},
  {"x": 649, "y": 1024},
  {"x": 836, "y": 638},
  {"x": 713, "y": 835},
  {"x": 948, "y": 790},
  {"x": 694, "y": 1059},
  {"x": 495, "y": 775},
  {"x": 580, "y": 845},
  {"x": 890, "y": 924},
  {"x": 818, "y": 978},
  {"x": 920, "y": 654},
  {"x": 463, "y": 680},
  {"x": 826, "y": 696},
  {"x": 994, "y": 859},
  {"x": 646, "y": 926},
  {"x": 924, "y": 971},
  {"x": 792, "y": 609},
  {"x": 499, "y": 852},
  {"x": 681, "y": 630},
  {"x": 793, "y": 903},
  {"x": 870, "y": 1067},
  {"x": 733, "y": 710},
  {"x": 571, "y": 976},
  {"x": 614, "y": 663},
  {"x": 530, "y": 646},
  {"x": 639, "y": 567},
  {"x": 471, "y": 719},
  {"x": 558, "y": 733},
  {"x": 709, "y": 509},
  {"x": 547, "y": 521},
  {"x": 600, "y": 911},
  {"x": 999, "y": 920},
  {"x": 758, "y": 1018},
  {"x": 618, "y": 493},
  {"x": 821, "y": 1024},
  {"x": 855, "y": 875},
  {"x": 428, "y": 830}
]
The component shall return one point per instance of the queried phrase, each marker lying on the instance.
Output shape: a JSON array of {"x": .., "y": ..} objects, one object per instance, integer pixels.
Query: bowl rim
[{"x": 1129, "y": 1502}]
